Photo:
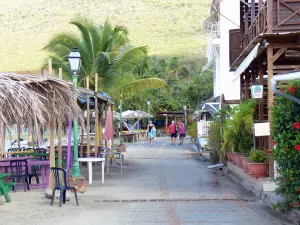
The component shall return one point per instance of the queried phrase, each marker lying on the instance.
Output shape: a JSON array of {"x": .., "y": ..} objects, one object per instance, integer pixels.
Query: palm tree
[{"x": 104, "y": 50}]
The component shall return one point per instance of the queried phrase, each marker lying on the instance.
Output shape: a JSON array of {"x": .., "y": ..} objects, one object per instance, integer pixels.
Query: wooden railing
[{"x": 258, "y": 26}]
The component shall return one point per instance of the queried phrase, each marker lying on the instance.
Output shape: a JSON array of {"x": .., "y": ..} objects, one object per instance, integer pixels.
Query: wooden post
[
  {"x": 105, "y": 116},
  {"x": 270, "y": 104},
  {"x": 260, "y": 4},
  {"x": 19, "y": 135},
  {"x": 52, "y": 147},
  {"x": 112, "y": 111},
  {"x": 246, "y": 87},
  {"x": 96, "y": 116},
  {"x": 50, "y": 65},
  {"x": 252, "y": 10},
  {"x": 88, "y": 119},
  {"x": 59, "y": 131},
  {"x": 261, "y": 101},
  {"x": 81, "y": 144},
  {"x": 269, "y": 16}
]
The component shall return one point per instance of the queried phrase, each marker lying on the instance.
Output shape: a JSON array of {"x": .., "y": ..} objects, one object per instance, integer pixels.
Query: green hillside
[{"x": 168, "y": 27}]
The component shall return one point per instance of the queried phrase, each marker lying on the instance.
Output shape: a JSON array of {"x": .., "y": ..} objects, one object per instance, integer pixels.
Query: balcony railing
[{"x": 258, "y": 26}]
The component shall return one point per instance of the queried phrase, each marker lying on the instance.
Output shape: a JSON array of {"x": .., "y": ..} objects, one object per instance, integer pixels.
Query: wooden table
[
  {"x": 90, "y": 161},
  {"x": 130, "y": 137},
  {"x": 45, "y": 169}
]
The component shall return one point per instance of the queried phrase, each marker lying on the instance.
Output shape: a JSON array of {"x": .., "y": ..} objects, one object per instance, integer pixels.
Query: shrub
[
  {"x": 192, "y": 130},
  {"x": 286, "y": 134},
  {"x": 258, "y": 156}
]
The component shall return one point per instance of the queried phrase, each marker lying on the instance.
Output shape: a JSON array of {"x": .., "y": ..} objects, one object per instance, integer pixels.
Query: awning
[{"x": 244, "y": 65}]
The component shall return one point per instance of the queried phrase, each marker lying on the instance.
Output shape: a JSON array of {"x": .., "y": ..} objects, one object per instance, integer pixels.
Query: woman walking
[
  {"x": 151, "y": 132},
  {"x": 172, "y": 131},
  {"x": 182, "y": 133}
]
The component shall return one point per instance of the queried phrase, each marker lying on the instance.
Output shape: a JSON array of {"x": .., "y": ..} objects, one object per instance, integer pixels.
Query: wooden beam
[
  {"x": 286, "y": 67},
  {"x": 252, "y": 11},
  {"x": 261, "y": 102},
  {"x": 19, "y": 135},
  {"x": 278, "y": 54},
  {"x": 88, "y": 118},
  {"x": 260, "y": 4},
  {"x": 246, "y": 88},
  {"x": 96, "y": 117},
  {"x": 270, "y": 104},
  {"x": 270, "y": 16},
  {"x": 52, "y": 147},
  {"x": 285, "y": 45},
  {"x": 59, "y": 131},
  {"x": 228, "y": 102},
  {"x": 50, "y": 65}
]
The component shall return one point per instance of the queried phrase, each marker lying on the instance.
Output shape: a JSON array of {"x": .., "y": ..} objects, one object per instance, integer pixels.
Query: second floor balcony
[{"x": 260, "y": 19}]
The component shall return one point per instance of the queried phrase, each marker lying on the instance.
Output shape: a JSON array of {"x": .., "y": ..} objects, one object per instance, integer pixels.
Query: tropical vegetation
[
  {"x": 238, "y": 131},
  {"x": 258, "y": 156},
  {"x": 105, "y": 50},
  {"x": 286, "y": 134},
  {"x": 127, "y": 71}
]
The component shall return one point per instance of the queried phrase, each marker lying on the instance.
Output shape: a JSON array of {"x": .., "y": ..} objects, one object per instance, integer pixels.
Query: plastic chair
[
  {"x": 19, "y": 170},
  {"x": 60, "y": 183}
]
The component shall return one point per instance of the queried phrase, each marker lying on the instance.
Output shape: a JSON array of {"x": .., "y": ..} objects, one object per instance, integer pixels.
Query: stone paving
[{"x": 159, "y": 185}]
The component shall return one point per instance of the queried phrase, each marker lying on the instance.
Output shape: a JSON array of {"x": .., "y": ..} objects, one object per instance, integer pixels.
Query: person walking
[
  {"x": 182, "y": 133},
  {"x": 151, "y": 132},
  {"x": 172, "y": 131}
]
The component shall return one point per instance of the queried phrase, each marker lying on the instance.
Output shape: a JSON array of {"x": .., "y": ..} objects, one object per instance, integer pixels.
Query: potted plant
[
  {"x": 245, "y": 161},
  {"x": 258, "y": 166}
]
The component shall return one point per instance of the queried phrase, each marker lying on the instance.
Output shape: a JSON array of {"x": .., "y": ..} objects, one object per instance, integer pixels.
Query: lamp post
[
  {"x": 148, "y": 103},
  {"x": 75, "y": 64},
  {"x": 184, "y": 108}
]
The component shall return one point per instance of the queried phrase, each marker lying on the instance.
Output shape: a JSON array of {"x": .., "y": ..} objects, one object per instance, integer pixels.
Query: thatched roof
[{"x": 36, "y": 99}]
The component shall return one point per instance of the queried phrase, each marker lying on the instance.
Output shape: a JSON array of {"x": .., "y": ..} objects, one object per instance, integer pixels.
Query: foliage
[
  {"x": 238, "y": 131},
  {"x": 192, "y": 130},
  {"x": 216, "y": 137},
  {"x": 286, "y": 134},
  {"x": 258, "y": 156}
]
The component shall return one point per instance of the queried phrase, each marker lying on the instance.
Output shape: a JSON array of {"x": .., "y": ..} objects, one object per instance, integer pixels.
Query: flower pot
[
  {"x": 245, "y": 162},
  {"x": 229, "y": 156},
  {"x": 232, "y": 158},
  {"x": 237, "y": 159},
  {"x": 258, "y": 169}
]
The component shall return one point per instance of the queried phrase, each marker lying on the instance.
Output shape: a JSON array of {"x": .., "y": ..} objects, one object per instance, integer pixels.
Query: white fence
[{"x": 203, "y": 128}]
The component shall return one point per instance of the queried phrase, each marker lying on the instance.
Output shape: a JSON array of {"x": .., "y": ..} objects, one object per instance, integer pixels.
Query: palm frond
[
  {"x": 137, "y": 86},
  {"x": 129, "y": 57}
]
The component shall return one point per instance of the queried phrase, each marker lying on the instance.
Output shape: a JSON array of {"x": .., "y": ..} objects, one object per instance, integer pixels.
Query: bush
[
  {"x": 192, "y": 130},
  {"x": 286, "y": 134},
  {"x": 258, "y": 156}
]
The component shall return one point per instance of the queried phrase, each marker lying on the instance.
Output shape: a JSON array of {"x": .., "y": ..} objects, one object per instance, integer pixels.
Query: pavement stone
[{"x": 159, "y": 185}]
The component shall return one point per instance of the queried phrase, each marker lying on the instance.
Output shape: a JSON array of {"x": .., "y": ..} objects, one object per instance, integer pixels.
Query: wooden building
[{"x": 267, "y": 43}]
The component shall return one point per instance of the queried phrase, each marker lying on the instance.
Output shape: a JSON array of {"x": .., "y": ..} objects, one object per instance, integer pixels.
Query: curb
[{"x": 254, "y": 185}]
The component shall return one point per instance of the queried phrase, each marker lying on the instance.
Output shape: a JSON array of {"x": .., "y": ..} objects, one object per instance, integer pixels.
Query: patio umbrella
[{"x": 109, "y": 132}]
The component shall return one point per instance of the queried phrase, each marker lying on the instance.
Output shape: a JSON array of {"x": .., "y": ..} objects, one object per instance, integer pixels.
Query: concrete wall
[{"x": 224, "y": 85}]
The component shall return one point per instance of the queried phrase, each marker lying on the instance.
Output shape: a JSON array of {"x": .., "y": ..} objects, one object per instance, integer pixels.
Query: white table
[{"x": 90, "y": 161}]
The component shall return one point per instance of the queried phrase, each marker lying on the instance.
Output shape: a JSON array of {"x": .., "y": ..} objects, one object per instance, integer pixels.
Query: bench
[{"x": 5, "y": 187}]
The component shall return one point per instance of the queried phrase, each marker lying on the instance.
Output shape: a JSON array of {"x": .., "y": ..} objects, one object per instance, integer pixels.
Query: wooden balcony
[{"x": 263, "y": 20}]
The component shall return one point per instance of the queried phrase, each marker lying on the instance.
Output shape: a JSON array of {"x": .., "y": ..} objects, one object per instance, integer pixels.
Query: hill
[{"x": 168, "y": 27}]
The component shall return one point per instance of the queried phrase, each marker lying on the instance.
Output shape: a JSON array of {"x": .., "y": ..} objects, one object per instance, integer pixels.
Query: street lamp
[
  {"x": 75, "y": 64},
  {"x": 184, "y": 108},
  {"x": 148, "y": 103}
]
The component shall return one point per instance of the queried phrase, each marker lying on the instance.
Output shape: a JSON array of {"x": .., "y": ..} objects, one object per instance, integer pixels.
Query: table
[
  {"x": 130, "y": 137},
  {"x": 45, "y": 169},
  {"x": 113, "y": 153},
  {"x": 90, "y": 161}
]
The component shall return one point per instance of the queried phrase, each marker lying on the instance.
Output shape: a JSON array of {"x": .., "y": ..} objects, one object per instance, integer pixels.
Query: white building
[{"x": 224, "y": 16}]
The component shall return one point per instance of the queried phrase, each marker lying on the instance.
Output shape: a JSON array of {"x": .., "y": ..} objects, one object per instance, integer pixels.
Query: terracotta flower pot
[
  {"x": 232, "y": 158},
  {"x": 245, "y": 162},
  {"x": 229, "y": 156},
  {"x": 258, "y": 169},
  {"x": 237, "y": 159}
]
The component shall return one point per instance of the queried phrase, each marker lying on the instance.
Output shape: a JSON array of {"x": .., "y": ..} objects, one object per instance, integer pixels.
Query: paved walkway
[{"x": 159, "y": 185}]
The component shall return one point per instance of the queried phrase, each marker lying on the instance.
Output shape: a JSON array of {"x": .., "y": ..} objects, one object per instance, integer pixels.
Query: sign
[
  {"x": 257, "y": 91},
  {"x": 262, "y": 129}
]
